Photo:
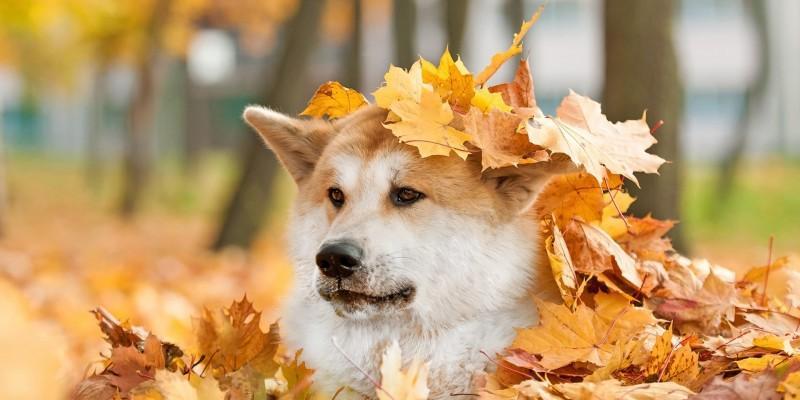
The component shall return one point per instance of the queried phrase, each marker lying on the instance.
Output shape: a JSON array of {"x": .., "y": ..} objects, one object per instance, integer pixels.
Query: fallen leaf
[
  {"x": 485, "y": 101},
  {"x": 451, "y": 80},
  {"x": 565, "y": 336},
  {"x": 335, "y": 100},
  {"x": 519, "y": 92},
  {"x": 581, "y": 131},
  {"x": 612, "y": 389},
  {"x": 424, "y": 125},
  {"x": 594, "y": 252},
  {"x": 495, "y": 133},
  {"x": 668, "y": 363},
  {"x": 516, "y": 47},
  {"x": 401, "y": 85},
  {"x": 232, "y": 337},
  {"x": 399, "y": 384},
  {"x": 562, "y": 266},
  {"x": 741, "y": 387}
]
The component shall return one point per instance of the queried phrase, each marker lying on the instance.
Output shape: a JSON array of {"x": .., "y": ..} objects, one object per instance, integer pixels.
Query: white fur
[{"x": 471, "y": 277}]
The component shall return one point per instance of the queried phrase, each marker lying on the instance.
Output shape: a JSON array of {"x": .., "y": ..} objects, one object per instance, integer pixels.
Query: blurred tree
[
  {"x": 753, "y": 97},
  {"x": 404, "y": 24},
  {"x": 245, "y": 211},
  {"x": 641, "y": 71},
  {"x": 456, "y": 20},
  {"x": 140, "y": 112},
  {"x": 353, "y": 56}
]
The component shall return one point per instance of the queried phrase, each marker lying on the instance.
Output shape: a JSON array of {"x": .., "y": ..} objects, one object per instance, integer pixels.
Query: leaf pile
[
  {"x": 236, "y": 359},
  {"x": 639, "y": 320}
]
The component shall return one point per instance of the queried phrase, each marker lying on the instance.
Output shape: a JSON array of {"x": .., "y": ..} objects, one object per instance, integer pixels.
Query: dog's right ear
[{"x": 298, "y": 144}]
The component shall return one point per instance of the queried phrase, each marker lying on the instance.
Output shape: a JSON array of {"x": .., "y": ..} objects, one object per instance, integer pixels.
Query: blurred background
[{"x": 128, "y": 180}]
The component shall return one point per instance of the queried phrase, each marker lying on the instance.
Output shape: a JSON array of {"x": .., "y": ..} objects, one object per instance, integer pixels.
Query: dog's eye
[
  {"x": 336, "y": 196},
  {"x": 405, "y": 196}
]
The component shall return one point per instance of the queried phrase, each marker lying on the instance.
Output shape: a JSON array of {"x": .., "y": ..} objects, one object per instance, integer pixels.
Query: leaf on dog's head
[
  {"x": 425, "y": 125},
  {"x": 581, "y": 131},
  {"x": 400, "y": 384},
  {"x": 495, "y": 133},
  {"x": 400, "y": 85},
  {"x": 519, "y": 92},
  {"x": 485, "y": 101},
  {"x": 451, "y": 80},
  {"x": 334, "y": 100},
  {"x": 516, "y": 47}
]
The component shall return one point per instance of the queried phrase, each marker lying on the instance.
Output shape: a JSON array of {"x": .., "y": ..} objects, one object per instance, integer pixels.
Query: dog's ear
[
  {"x": 519, "y": 186},
  {"x": 297, "y": 143}
]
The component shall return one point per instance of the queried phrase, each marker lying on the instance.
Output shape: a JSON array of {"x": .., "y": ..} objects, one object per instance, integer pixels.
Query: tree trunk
[
  {"x": 641, "y": 72},
  {"x": 245, "y": 212},
  {"x": 456, "y": 15},
  {"x": 3, "y": 183},
  {"x": 140, "y": 115},
  {"x": 195, "y": 122},
  {"x": 94, "y": 135},
  {"x": 352, "y": 61},
  {"x": 405, "y": 32},
  {"x": 753, "y": 96}
]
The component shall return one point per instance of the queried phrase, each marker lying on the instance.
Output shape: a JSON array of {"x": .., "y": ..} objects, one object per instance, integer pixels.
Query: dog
[{"x": 433, "y": 253}]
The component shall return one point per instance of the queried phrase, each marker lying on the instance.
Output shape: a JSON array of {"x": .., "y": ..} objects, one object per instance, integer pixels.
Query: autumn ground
[{"x": 64, "y": 252}]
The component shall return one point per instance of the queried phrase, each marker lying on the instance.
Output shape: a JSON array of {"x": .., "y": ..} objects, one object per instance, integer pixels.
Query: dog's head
[{"x": 379, "y": 232}]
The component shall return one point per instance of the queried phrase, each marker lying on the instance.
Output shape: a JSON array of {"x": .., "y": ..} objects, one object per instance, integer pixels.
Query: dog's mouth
[{"x": 350, "y": 301}]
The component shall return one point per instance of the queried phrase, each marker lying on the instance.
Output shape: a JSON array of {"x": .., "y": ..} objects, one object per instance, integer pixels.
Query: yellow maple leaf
[
  {"x": 399, "y": 384},
  {"x": 565, "y": 336},
  {"x": 175, "y": 386},
  {"x": 400, "y": 85},
  {"x": 424, "y": 124},
  {"x": 486, "y": 100},
  {"x": 791, "y": 386},
  {"x": 668, "y": 363},
  {"x": 581, "y": 131},
  {"x": 451, "y": 80},
  {"x": 235, "y": 338},
  {"x": 516, "y": 47},
  {"x": 335, "y": 100},
  {"x": 495, "y": 133},
  {"x": 612, "y": 389}
]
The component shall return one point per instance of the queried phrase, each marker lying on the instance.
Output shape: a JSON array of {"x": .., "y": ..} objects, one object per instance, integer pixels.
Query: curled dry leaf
[
  {"x": 583, "y": 132},
  {"x": 334, "y": 100},
  {"x": 519, "y": 92},
  {"x": 495, "y": 133}
]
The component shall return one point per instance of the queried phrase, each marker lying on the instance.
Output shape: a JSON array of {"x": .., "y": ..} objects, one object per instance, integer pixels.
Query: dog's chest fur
[{"x": 455, "y": 354}]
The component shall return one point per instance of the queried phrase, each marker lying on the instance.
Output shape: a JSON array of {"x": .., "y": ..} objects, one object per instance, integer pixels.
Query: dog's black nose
[{"x": 339, "y": 259}]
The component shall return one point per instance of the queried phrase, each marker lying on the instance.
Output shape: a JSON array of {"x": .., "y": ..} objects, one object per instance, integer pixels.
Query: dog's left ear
[
  {"x": 519, "y": 186},
  {"x": 297, "y": 143}
]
